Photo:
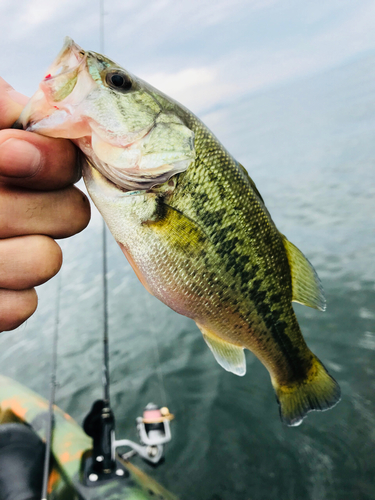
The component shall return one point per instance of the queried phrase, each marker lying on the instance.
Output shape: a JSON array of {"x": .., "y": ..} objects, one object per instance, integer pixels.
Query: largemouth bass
[{"x": 189, "y": 219}]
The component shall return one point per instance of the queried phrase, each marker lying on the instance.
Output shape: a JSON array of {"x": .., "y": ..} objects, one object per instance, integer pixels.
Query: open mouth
[
  {"x": 68, "y": 60},
  {"x": 52, "y": 109}
]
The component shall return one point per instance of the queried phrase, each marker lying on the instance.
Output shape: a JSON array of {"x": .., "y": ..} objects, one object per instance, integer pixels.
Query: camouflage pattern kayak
[{"x": 71, "y": 447}]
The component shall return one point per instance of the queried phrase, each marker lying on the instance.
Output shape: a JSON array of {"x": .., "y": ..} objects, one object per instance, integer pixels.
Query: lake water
[{"x": 310, "y": 148}]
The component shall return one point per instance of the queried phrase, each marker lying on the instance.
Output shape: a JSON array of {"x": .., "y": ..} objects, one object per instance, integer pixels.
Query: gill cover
[{"x": 115, "y": 118}]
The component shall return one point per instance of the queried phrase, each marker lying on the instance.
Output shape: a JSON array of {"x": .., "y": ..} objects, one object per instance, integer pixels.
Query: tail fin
[{"x": 319, "y": 391}]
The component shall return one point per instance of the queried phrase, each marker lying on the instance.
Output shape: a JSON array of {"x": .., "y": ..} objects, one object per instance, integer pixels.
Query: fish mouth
[
  {"x": 50, "y": 110},
  {"x": 69, "y": 59}
]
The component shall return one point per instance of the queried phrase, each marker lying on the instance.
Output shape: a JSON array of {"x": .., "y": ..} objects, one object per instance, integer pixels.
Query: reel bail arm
[{"x": 154, "y": 431}]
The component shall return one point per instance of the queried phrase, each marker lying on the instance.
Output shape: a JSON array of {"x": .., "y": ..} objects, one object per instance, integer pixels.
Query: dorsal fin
[
  {"x": 306, "y": 285},
  {"x": 229, "y": 356}
]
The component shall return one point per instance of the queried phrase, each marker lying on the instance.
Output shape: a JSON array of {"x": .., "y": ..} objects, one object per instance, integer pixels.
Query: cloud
[
  {"x": 197, "y": 88},
  {"x": 200, "y": 52}
]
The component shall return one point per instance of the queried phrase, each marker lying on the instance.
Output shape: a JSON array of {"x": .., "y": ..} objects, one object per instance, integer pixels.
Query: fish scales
[
  {"x": 190, "y": 221},
  {"x": 229, "y": 222}
]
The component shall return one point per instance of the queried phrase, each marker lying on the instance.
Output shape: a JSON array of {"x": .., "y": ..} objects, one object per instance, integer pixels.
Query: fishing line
[
  {"x": 106, "y": 381},
  {"x": 51, "y": 417},
  {"x": 158, "y": 366},
  {"x": 105, "y": 319},
  {"x": 101, "y": 6}
]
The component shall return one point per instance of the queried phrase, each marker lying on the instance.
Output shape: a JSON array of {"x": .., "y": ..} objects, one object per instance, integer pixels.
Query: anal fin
[{"x": 229, "y": 356}]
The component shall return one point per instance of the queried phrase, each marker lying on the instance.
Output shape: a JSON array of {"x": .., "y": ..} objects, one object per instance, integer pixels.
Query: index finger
[{"x": 11, "y": 104}]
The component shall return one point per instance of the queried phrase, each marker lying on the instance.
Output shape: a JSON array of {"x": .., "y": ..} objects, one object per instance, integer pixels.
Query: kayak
[{"x": 23, "y": 422}]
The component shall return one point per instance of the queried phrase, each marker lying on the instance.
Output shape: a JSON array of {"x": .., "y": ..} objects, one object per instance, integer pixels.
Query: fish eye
[{"x": 118, "y": 80}]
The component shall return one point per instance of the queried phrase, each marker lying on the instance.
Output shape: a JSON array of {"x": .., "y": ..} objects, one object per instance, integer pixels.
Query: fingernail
[{"x": 19, "y": 158}]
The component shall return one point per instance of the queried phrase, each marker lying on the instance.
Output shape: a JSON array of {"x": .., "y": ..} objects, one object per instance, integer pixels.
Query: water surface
[{"x": 310, "y": 148}]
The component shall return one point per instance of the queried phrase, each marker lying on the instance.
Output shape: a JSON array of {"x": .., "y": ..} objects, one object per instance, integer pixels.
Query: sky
[{"x": 200, "y": 52}]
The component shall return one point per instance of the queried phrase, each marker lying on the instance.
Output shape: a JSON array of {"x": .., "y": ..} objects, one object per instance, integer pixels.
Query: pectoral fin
[
  {"x": 178, "y": 231},
  {"x": 306, "y": 285},
  {"x": 229, "y": 356}
]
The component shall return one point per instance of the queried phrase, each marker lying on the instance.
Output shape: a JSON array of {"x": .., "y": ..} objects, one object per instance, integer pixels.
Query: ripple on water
[{"x": 228, "y": 443}]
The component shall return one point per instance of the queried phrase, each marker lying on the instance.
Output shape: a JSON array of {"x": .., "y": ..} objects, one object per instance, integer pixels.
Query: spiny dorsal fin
[
  {"x": 229, "y": 356},
  {"x": 306, "y": 285}
]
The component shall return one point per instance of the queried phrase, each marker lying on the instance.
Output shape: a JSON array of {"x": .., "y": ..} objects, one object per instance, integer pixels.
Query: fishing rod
[
  {"x": 153, "y": 427},
  {"x": 51, "y": 418},
  {"x": 106, "y": 382},
  {"x": 100, "y": 422}
]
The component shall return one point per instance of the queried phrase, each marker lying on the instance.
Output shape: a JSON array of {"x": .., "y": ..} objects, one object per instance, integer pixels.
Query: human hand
[{"x": 37, "y": 203}]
